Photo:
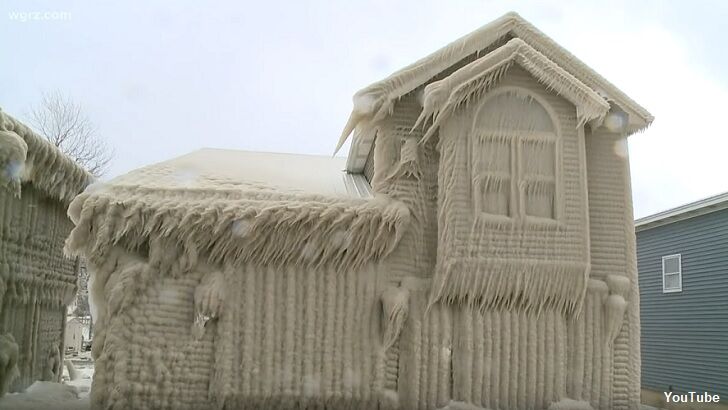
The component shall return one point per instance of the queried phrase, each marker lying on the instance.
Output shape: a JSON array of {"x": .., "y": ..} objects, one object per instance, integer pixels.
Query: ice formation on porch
[{"x": 486, "y": 262}]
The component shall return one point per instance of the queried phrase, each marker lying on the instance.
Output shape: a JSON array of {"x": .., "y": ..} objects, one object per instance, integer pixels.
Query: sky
[{"x": 163, "y": 78}]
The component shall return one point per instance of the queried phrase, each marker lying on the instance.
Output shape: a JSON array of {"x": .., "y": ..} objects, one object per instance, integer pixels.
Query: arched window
[{"x": 515, "y": 151}]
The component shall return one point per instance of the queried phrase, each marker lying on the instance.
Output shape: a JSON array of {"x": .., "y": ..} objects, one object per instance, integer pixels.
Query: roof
[
  {"x": 26, "y": 157},
  {"x": 238, "y": 207},
  {"x": 211, "y": 168},
  {"x": 375, "y": 101},
  {"x": 687, "y": 211},
  {"x": 442, "y": 97}
]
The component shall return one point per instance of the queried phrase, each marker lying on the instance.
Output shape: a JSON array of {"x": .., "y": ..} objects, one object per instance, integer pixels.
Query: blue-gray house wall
[{"x": 685, "y": 334}]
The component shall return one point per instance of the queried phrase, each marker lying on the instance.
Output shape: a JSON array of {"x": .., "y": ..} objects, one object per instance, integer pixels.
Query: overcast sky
[{"x": 161, "y": 79}]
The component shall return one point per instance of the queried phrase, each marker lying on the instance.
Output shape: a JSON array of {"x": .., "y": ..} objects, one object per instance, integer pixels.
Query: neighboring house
[
  {"x": 37, "y": 182},
  {"x": 74, "y": 336},
  {"x": 476, "y": 246},
  {"x": 682, "y": 257}
]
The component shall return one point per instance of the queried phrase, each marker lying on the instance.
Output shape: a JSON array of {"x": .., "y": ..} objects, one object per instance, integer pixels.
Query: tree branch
[{"x": 63, "y": 123}]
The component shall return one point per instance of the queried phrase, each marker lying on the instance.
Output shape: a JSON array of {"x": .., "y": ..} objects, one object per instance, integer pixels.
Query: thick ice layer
[{"x": 28, "y": 157}]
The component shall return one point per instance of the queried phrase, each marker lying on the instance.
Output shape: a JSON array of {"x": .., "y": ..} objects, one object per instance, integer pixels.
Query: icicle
[
  {"x": 395, "y": 303},
  {"x": 409, "y": 160},
  {"x": 508, "y": 284},
  {"x": 53, "y": 365},
  {"x": 13, "y": 152},
  {"x": 619, "y": 285},
  {"x": 616, "y": 306},
  {"x": 445, "y": 96},
  {"x": 9, "y": 354},
  {"x": 209, "y": 298},
  {"x": 26, "y": 156},
  {"x": 267, "y": 228}
]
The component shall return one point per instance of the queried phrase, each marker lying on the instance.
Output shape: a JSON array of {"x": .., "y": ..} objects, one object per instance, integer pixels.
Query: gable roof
[
  {"x": 443, "y": 96},
  {"x": 376, "y": 101}
]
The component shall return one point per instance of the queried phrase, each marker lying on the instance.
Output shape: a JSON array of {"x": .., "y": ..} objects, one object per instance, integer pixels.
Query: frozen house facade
[
  {"x": 37, "y": 281},
  {"x": 476, "y": 246}
]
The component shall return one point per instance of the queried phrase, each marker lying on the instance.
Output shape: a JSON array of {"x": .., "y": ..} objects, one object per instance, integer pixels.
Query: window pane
[
  {"x": 672, "y": 265},
  {"x": 539, "y": 198},
  {"x": 538, "y": 157},
  {"x": 672, "y": 281},
  {"x": 492, "y": 194},
  {"x": 492, "y": 154},
  {"x": 512, "y": 112}
]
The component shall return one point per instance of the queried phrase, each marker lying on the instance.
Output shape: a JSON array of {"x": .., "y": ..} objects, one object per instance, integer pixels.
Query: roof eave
[
  {"x": 683, "y": 212},
  {"x": 375, "y": 98}
]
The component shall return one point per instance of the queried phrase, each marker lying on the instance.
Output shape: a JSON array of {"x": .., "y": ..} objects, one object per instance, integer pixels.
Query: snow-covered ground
[
  {"x": 69, "y": 395},
  {"x": 46, "y": 395},
  {"x": 84, "y": 369},
  {"x": 73, "y": 394}
]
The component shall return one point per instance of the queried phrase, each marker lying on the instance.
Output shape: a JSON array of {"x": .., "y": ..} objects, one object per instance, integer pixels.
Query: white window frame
[{"x": 678, "y": 273}]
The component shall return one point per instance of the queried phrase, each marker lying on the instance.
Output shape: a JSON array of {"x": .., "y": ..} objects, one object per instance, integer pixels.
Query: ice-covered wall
[
  {"x": 613, "y": 251},
  {"x": 494, "y": 339},
  {"x": 36, "y": 280},
  {"x": 193, "y": 310},
  {"x": 503, "y": 163}
]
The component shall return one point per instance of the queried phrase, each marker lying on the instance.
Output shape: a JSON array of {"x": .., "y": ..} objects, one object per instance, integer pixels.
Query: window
[
  {"x": 514, "y": 159},
  {"x": 515, "y": 175},
  {"x": 671, "y": 273}
]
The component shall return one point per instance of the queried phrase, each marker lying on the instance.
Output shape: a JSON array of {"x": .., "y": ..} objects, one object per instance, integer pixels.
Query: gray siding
[{"x": 685, "y": 334}]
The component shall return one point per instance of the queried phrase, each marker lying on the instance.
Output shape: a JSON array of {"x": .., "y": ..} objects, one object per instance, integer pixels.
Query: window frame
[
  {"x": 678, "y": 273},
  {"x": 517, "y": 206}
]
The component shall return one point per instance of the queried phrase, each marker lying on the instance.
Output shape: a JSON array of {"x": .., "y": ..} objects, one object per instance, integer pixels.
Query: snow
[
  {"x": 8, "y": 361},
  {"x": 46, "y": 395},
  {"x": 70, "y": 395}
]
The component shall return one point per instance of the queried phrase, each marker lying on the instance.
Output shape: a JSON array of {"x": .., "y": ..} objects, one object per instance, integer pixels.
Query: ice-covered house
[
  {"x": 476, "y": 246},
  {"x": 37, "y": 281}
]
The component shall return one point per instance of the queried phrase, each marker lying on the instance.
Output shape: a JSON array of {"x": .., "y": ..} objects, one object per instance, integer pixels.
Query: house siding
[
  {"x": 612, "y": 242},
  {"x": 685, "y": 334},
  {"x": 38, "y": 279}
]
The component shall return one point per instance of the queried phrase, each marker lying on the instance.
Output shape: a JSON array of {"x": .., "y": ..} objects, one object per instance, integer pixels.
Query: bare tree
[{"x": 62, "y": 122}]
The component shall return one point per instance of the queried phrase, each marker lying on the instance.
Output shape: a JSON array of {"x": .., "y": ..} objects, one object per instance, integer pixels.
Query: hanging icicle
[
  {"x": 395, "y": 303},
  {"x": 409, "y": 160},
  {"x": 443, "y": 97},
  {"x": 616, "y": 305},
  {"x": 27, "y": 157}
]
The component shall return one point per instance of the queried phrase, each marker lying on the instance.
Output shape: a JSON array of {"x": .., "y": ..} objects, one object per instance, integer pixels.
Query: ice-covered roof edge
[
  {"x": 375, "y": 101},
  {"x": 235, "y": 228},
  {"x": 442, "y": 97},
  {"x": 27, "y": 157}
]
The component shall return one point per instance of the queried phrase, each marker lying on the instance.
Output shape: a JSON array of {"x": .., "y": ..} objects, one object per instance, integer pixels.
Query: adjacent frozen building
[
  {"x": 476, "y": 246},
  {"x": 36, "y": 280}
]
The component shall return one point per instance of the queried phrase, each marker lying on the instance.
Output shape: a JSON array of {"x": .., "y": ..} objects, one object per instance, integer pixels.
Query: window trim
[
  {"x": 517, "y": 138},
  {"x": 678, "y": 273}
]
